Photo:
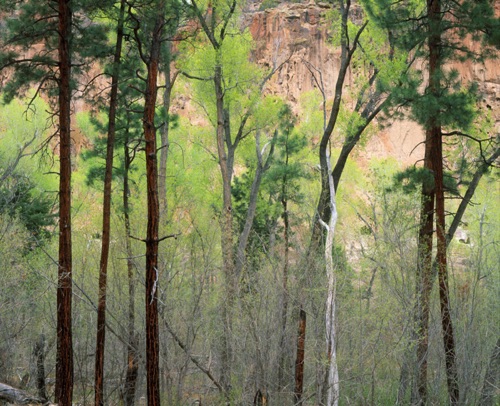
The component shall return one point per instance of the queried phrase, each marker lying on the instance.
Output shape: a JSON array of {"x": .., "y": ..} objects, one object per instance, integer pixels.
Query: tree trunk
[
  {"x": 323, "y": 208},
  {"x": 132, "y": 356},
  {"x": 424, "y": 265},
  {"x": 106, "y": 216},
  {"x": 64, "y": 360},
  {"x": 260, "y": 399},
  {"x": 491, "y": 378},
  {"x": 39, "y": 353},
  {"x": 424, "y": 279},
  {"x": 333, "y": 387},
  {"x": 162, "y": 175},
  {"x": 434, "y": 131},
  {"x": 444, "y": 295},
  {"x": 152, "y": 241},
  {"x": 299, "y": 362},
  {"x": 286, "y": 260},
  {"x": 226, "y": 229},
  {"x": 262, "y": 167}
]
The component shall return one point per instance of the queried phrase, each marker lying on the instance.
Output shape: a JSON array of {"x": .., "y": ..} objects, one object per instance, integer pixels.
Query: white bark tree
[{"x": 333, "y": 372}]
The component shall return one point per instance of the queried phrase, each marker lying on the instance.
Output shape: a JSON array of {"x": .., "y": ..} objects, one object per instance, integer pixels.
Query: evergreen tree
[
  {"x": 48, "y": 40},
  {"x": 435, "y": 32}
]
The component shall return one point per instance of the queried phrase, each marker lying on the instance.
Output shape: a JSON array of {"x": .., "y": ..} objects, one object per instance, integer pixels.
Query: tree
[
  {"x": 152, "y": 60},
  {"x": 64, "y": 374},
  {"x": 332, "y": 381},
  {"x": 51, "y": 70},
  {"x": 442, "y": 27},
  {"x": 215, "y": 26},
  {"x": 106, "y": 212},
  {"x": 371, "y": 98},
  {"x": 235, "y": 88}
]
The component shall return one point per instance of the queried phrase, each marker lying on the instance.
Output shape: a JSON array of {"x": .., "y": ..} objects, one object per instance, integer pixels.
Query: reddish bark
[
  {"x": 434, "y": 129},
  {"x": 64, "y": 360},
  {"x": 106, "y": 217},
  {"x": 299, "y": 362},
  {"x": 132, "y": 357},
  {"x": 152, "y": 241},
  {"x": 433, "y": 161}
]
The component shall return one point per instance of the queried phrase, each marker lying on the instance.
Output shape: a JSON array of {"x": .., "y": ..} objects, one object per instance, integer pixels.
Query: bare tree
[{"x": 333, "y": 386}]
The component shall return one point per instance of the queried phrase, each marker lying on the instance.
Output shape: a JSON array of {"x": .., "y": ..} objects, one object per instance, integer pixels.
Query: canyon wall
[{"x": 299, "y": 33}]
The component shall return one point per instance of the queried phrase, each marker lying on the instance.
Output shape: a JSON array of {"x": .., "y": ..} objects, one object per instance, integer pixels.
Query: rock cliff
[{"x": 300, "y": 33}]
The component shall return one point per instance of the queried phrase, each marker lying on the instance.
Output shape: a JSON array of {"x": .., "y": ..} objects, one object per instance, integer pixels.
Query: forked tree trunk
[
  {"x": 347, "y": 52},
  {"x": 332, "y": 381},
  {"x": 435, "y": 50},
  {"x": 444, "y": 294},
  {"x": 64, "y": 359},
  {"x": 262, "y": 167},
  {"x": 106, "y": 216}
]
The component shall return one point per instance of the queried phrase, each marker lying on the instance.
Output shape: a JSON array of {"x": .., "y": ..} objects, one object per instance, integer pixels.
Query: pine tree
[
  {"x": 435, "y": 32},
  {"x": 50, "y": 69}
]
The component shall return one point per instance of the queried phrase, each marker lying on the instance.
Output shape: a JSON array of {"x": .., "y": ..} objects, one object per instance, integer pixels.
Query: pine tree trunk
[
  {"x": 424, "y": 279},
  {"x": 286, "y": 262},
  {"x": 152, "y": 241},
  {"x": 132, "y": 356},
  {"x": 434, "y": 129},
  {"x": 299, "y": 361},
  {"x": 64, "y": 360},
  {"x": 106, "y": 216},
  {"x": 284, "y": 294},
  {"x": 444, "y": 295}
]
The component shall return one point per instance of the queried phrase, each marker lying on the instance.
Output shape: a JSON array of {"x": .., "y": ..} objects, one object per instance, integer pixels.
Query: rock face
[
  {"x": 297, "y": 32},
  {"x": 300, "y": 35}
]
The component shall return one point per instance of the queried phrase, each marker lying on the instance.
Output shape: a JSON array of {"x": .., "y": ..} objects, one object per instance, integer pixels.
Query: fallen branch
[{"x": 18, "y": 396}]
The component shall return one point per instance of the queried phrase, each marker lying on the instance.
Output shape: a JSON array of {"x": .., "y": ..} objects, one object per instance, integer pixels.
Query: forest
[{"x": 249, "y": 202}]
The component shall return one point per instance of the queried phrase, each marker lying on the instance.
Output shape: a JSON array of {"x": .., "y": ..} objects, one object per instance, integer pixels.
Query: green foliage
[
  {"x": 311, "y": 118},
  {"x": 23, "y": 32},
  {"x": 283, "y": 178},
  {"x": 280, "y": 183},
  {"x": 266, "y": 4},
  {"x": 454, "y": 104},
  {"x": 23, "y": 186},
  {"x": 413, "y": 179},
  {"x": 19, "y": 199},
  {"x": 241, "y": 77}
]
